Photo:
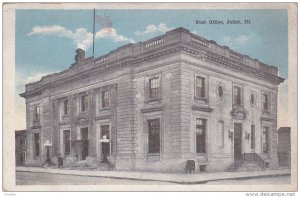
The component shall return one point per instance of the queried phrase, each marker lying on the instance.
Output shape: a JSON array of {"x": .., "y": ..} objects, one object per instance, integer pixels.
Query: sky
[{"x": 46, "y": 40}]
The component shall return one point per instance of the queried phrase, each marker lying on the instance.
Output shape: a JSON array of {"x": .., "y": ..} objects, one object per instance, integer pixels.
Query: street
[
  {"x": 257, "y": 181},
  {"x": 32, "y": 178}
]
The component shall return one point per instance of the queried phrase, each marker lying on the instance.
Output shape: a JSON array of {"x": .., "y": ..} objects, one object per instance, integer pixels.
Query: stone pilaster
[
  {"x": 92, "y": 129},
  {"x": 73, "y": 112},
  {"x": 55, "y": 127},
  {"x": 113, "y": 100}
]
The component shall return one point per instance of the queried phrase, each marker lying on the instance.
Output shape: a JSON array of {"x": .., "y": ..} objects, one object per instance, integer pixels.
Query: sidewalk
[{"x": 197, "y": 178}]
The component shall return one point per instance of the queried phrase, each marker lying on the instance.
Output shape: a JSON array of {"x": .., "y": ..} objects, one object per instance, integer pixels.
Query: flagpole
[{"x": 94, "y": 34}]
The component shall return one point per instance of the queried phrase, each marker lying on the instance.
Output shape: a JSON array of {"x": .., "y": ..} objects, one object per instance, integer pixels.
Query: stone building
[
  {"x": 20, "y": 146},
  {"x": 284, "y": 146},
  {"x": 158, "y": 103}
]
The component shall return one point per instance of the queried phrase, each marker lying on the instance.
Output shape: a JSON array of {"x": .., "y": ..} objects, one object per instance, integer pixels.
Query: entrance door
[
  {"x": 237, "y": 141},
  {"x": 85, "y": 143}
]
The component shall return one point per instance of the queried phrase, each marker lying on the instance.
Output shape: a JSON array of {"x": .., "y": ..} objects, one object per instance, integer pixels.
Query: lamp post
[{"x": 47, "y": 146}]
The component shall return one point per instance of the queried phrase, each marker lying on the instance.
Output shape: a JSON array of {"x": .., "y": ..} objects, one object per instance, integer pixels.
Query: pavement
[{"x": 197, "y": 178}]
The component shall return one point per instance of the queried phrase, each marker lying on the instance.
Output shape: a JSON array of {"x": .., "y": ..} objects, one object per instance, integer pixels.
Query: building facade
[
  {"x": 154, "y": 105},
  {"x": 20, "y": 146}
]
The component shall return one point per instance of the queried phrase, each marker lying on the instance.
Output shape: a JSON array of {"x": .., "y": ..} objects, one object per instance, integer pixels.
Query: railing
[
  {"x": 154, "y": 43},
  {"x": 254, "y": 158},
  {"x": 101, "y": 60},
  {"x": 199, "y": 41}
]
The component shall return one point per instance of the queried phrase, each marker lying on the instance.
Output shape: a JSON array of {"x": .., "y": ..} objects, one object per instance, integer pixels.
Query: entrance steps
[
  {"x": 84, "y": 165},
  {"x": 248, "y": 162},
  {"x": 78, "y": 165},
  {"x": 243, "y": 167}
]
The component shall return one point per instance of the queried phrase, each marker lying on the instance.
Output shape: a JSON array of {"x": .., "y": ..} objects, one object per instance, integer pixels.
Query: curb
[{"x": 65, "y": 172}]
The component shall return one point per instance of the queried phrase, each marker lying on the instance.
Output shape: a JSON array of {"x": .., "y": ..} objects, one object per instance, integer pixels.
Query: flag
[{"x": 105, "y": 22}]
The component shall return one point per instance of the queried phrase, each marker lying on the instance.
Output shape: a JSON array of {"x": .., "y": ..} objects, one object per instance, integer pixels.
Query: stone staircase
[
  {"x": 248, "y": 162},
  {"x": 83, "y": 165}
]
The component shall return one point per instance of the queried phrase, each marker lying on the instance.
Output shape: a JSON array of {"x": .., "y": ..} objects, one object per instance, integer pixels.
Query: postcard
[{"x": 150, "y": 97}]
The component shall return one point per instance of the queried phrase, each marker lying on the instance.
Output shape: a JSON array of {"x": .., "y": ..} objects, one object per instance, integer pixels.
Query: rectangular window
[
  {"x": 265, "y": 102},
  {"x": 37, "y": 144},
  {"x": 265, "y": 140},
  {"x": 66, "y": 107},
  {"x": 200, "y": 87},
  {"x": 67, "y": 142},
  {"x": 84, "y": 103},
  {"x": 252, "y": 137},
  {"x": 200, "y": 135},
  {"x": 154, "y": 136},
  {"x": 237, "y": 96},
  {"x": 105, "y": 99},
  {"x": 37, "y": 113},
  {"x": 154, "y": 88},
  {"x": 221, "y": 134}
]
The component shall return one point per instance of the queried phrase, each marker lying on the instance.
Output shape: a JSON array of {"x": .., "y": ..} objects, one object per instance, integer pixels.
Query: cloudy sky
[{"x": 46, "y": 40}]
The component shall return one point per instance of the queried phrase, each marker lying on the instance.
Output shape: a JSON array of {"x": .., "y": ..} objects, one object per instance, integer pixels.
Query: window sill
[
  {"x": 201, "y": 154},
  {"x": 266, "y": 112},
  {"x": 237, "y": 106},
  {"x": 150, "y": 100},
  {"x": 200, "y": 99},
  {"x": 153, "y": 154},
  {"x": 83, "y": 112},
  {"x": 36, "y": 126},
  {"x": 104, "y": 108}
]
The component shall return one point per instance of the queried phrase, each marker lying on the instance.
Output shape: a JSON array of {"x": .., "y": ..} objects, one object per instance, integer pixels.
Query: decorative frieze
[
  {"x": 152, "y": 109},
  {"x": 267, "y": 119},
  {"x": 202, "y": 108},
  {"x": 104, "y": 117}
]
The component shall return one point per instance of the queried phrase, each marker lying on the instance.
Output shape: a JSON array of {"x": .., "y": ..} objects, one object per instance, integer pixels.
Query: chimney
[{"x": 80, "y": 55}]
